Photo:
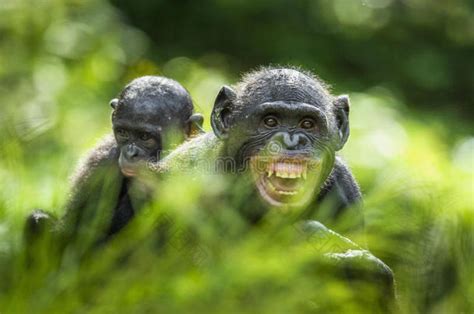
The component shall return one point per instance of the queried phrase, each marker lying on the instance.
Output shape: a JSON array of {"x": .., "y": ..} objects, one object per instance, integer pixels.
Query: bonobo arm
[
  {"x": 37, "y": 225},
  {"x": 348, "y": 261},
  {"x": 198, "y": 153},
  {"x": 39, "y": 230},
  {"x": 96, "y": 185}
]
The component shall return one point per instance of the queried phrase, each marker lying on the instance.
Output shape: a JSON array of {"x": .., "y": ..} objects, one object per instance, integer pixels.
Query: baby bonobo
[{"x": 151, "y": 115}]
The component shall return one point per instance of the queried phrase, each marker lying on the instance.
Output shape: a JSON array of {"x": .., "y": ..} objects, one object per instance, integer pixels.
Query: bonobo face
[
  {"x": 137, "y": 146},
  {"x": 151, "y": 114},
  {"x": 287, "y": 151},
  {"x": 285, "y": 132},
  {"x": 139, "y": 134}
]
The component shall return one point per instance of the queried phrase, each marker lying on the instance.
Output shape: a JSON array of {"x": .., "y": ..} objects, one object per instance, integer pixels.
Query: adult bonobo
[
  {"x": 280, "y": 128},
  {"x": 151, "y": 114},
  {"x": 274, "y": 143}
]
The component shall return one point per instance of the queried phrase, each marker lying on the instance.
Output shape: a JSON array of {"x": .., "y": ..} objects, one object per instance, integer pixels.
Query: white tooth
[
  {"x": 271, "y": 187},
  {"x": 287, "y": 192},
  {"x": 270, "y": 169}
]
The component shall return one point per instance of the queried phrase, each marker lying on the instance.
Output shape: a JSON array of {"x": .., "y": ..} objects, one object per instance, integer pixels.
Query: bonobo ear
[
  {"x": 194, "y": 125},
  {"x": 341, "y": 105},
  {"x": 222, "y": 111},
  {"x": 113, "y": 103}
]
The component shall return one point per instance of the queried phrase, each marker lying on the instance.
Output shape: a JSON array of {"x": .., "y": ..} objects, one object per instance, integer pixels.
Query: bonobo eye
[
  {"x": 145, "y": 136},
  {"x": 122, "y": 133},
  {"x": 147, "y": 139},
  {"x": 307, "y": 124},
  {"x": 270, "y": 121}
]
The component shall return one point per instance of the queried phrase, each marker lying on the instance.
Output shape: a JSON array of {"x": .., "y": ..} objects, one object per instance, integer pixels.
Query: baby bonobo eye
[
  {"x": 145, "y": 136},
  {"x": 122, "y": 133},
  {"x": 270, "y": 121},
  {"x": 147, "y": 139},
  {"x": 308, "y": 124}
]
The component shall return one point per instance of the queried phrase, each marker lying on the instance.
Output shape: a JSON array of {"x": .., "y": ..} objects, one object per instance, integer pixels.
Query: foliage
[
  {"x": 421, "y": 49},
  {"x": 62, "y": 61}
]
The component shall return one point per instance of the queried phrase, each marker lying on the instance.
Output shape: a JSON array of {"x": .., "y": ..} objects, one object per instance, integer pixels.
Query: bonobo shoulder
[
  {"x": 103, "y": 154},
  {"x": 346, "y": 179}
]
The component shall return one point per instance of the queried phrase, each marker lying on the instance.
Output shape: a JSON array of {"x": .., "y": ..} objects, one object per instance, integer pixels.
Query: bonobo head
[
  {"x": 145, "y": 113},
  {"x": 285, "y": 127}
]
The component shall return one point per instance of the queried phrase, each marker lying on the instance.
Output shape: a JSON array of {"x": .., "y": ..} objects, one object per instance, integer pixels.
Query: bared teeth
[
  {"x": 287, "y": 169},
  {"x": 269, "y": 173},
  {"x": 287, "y": 192},
  {"x": 273, "y": 189}
]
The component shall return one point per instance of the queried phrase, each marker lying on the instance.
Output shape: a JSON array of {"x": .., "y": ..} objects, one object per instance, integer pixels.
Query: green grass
[
  {"x": 59, "y": 70},
  {"x": 418, "y": 208}
]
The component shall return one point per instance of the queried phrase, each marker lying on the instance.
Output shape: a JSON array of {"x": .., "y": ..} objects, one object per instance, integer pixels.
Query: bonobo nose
[
  {"x": 131, "y": 151},
  {"x": 292, "y": 141}
]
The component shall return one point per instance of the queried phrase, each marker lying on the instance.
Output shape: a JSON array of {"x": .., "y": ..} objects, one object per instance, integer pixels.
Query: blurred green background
[{"x": 408, "y": 66}]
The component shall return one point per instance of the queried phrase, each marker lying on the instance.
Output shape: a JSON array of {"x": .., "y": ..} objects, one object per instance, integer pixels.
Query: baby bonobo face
[
  {"x": 137, "y": 146},
  {"x": 147, "y": 111}
]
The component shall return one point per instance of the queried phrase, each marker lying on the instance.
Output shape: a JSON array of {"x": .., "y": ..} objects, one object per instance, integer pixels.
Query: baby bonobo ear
[
  {"x": 194, "y": 125},
  {"x": 221, "y": 113},
  {"x": 113, "y": 103},
  {"x": 341, "y": 107}
]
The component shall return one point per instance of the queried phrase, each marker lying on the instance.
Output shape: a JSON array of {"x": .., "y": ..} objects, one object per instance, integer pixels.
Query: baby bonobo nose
[{"x": 131, "y": 152}]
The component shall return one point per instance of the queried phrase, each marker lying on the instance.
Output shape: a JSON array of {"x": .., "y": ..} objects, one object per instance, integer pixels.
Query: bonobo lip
[
  {"x": 284, "y": 180},
  {"x": 130, "y": 169},
  {"x": 128, "y": 172}
]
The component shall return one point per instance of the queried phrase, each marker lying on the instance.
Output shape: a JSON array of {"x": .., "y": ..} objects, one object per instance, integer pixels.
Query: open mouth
[
  {"x": 128, "y": 172},
  {"x": 284, "y": 180}
]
